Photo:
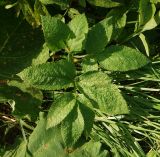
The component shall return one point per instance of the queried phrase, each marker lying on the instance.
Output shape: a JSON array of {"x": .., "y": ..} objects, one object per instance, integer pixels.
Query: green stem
[
  {"x": 23, "y": 132},
  {"x": 139, "y": 88}
]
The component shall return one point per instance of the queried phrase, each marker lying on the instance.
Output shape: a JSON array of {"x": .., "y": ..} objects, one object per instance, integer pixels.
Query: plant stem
[{"x": 139, "y": 88}]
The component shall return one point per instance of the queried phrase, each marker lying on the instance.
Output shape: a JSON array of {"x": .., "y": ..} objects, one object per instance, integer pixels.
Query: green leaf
[
  {"x": 90, "y": 149},
  {"x": 21, "y": 151},
  {"x": 88, "y": 116},
  {"x": 19, "y": 44},
  {"x": 56, "y": 33},
  {"x": 96, "y": 39},
  {"x": 106, "y": 3},
  {"x": 89, "y": 64},
  {"x": 42, "y": 57},
  {"x": 98, "y": 89},
  {"x": 42, "y": 142},
  {"x": 144, "y": 16},
  {"x": 28, "y": 13},
  {"x": 25, "y": 103},
  {"x": 50, "y": 76},
  {"x": 105, "y": 31},
  {"x": 64, "y": 3},
  {"x": 155, "y": 1},
  {"x": 144, "y": 42},
  {"x": 121, "y": 58},
  {"x": 152, "y": 153},
  {"x": 83, "y": 100},
  {"x": 79, "y": 26},
  {"x": 40, "y": 9},
  {"x": 72, "y": 127},
  {"x": 117, "y": 19},
  {"x": 27, "y": 89},
  {"x": 152, "y": 23},
  {"x": 60, "y": 109}
]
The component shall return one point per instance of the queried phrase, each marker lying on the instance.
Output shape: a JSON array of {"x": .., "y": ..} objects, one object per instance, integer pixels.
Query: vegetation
[{"x": 79, "y": 78}]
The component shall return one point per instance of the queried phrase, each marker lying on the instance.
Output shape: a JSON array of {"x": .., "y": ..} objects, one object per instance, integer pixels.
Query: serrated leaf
[
  {"x": 79, "y": 26},
  {"x": 23, "y": 102},
  {"x": 19, "y": 44},
  {"x": 105, "y": 31},
  {"x": 88, "y": 116},
  {"x": 50, "y": 76},
  {"x": 60, "y": 109},
  {"x": 118, "y": 21},
  {"x": 72, "y": 127},
  {"x": 106, "y": 3},
  {"x": 98, "y": 89},
  {"x": 56, "y": 33},
  {"x": 121, "y": 58},
  {"x": 96, "y": 39},
  {"x": 83, "y": 100}
]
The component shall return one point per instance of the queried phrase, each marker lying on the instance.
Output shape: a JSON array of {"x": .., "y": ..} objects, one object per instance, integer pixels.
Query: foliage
[{"x": 79, "y": 78}]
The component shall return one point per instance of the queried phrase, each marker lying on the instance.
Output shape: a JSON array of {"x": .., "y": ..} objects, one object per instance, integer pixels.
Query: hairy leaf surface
[
  {"x": 56, "y": 33},
  {"x": 89, "y": 64},
  {"x": 97, "y": 87},
  {"x": 105, "y": 31},
  {"x": 60, "y": 109},
  {"x": 72, "y": 127},
  {"x": 50, "y": 76},
  {"x": 79, "y": 26},
  {"x": 121, "y": 58}
]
